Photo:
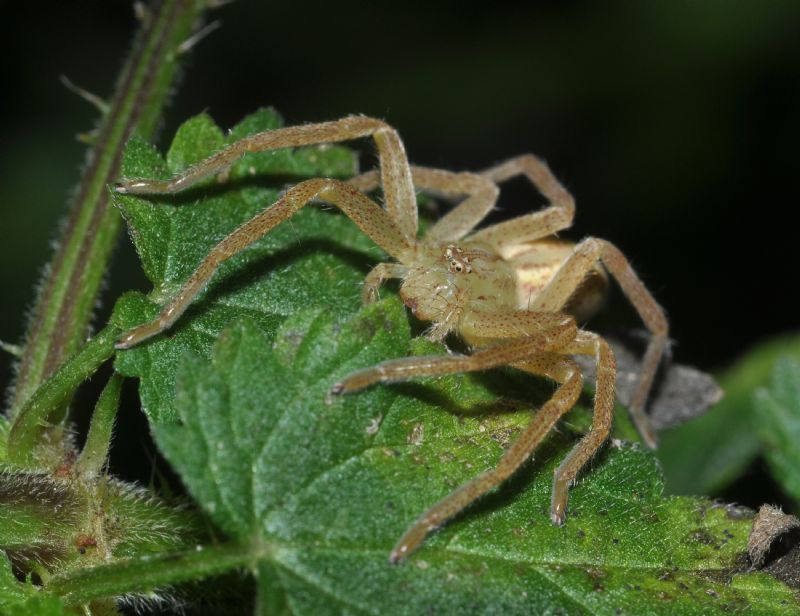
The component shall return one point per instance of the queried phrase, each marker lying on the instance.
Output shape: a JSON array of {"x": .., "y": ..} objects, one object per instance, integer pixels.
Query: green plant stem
[
  {"x": 32, "y": 420},
  {"x": 95, "y": 451},
  {"x": 149, "y": 573},
  {"x": 67, "y": 295}
]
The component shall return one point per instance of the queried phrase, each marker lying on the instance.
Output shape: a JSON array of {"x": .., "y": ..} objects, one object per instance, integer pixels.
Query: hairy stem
[
  {"x": 67, "y": 296},
  {"x": 98, "y": 441},
  {"x": 149, "y": 573},
  {"x": 32, "y": 420}
]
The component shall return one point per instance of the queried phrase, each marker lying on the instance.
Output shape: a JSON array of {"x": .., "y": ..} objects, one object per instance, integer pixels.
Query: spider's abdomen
[{"x": 535, "y": 264}]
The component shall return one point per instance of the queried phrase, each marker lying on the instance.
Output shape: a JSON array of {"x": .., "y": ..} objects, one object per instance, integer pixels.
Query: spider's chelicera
[{"x": 511, "y": 291}]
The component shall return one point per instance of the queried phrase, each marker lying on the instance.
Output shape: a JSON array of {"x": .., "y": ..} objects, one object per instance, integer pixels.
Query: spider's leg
[
  {"x": 367, "y": 214},
  {"x": 560, "y": 369},
  {"x": 526, "y": 334},
  {"x": 479, "y": 195},
  {"x": 366, "y": 182},
  {"x": 395, "y": 173},
  {"x": 536, "y": 225},
  {"x": 570, "y": 276},
  {"x": 587, "y": 343}
]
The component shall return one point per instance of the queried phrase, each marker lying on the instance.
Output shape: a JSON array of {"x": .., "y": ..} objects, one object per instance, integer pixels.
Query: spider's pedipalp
[{"x": 377, "y": 276}]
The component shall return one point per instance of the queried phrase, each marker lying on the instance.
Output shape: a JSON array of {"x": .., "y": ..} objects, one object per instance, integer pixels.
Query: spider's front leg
[
  {"x": 393, "y": 228},
  {"x": 395, "y": 174},
  {"x": 369, "y": 216}
]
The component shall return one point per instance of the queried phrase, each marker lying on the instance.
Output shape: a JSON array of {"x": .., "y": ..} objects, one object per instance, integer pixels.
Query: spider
[{"x": 511, "y": 291}]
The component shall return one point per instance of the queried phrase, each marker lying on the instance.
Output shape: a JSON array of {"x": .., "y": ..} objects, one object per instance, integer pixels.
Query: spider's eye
[
  {"x": 457, "y": 267},
  {"x": 457, "y": 261}
]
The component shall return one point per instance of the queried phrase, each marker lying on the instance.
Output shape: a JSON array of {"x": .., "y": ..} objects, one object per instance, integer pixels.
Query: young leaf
[
  {"x": 704, "y": 455},
  {"x": 778, "y": 413}
]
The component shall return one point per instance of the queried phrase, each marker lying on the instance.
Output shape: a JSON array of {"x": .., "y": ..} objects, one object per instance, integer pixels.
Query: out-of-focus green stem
[
  {"x": 68, "y": 293},
  {"x": 95, "y": 451},
  {"x": 32, "y": 420},
  {"x": 149, "y": 573}
]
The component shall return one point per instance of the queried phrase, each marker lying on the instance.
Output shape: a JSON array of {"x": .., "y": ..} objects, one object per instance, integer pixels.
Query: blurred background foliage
[{"x": 673, "y": 123}]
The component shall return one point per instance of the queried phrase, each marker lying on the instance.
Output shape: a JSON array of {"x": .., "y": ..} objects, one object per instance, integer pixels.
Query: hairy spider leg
[
  {"x": 467, "y": 215},
  {"x": 562, "y": 370},
  {"x": 518, "y": 335},
  {"x": 587, "y": 343},
  {"x": 570, "y": 276},
  {"x": 396, "y": 179},
  {"x": 536, "y": 225},
  {"x": 368, "y": 215},
  {"x": 479, "y": 196}
]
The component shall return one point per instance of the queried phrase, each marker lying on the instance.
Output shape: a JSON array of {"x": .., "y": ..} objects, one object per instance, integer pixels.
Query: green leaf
[
  {"x": 704, "y": 455},
  {"x": 319, "y": 492},
  {"x": 322, "y": 491},
  {"x": 273, "y": 278},
  {"x": 5, "y": 428},
  {"x": 778, "y": 412},
  {"x": 22, "y": 598},
  {"x": 11, "y": 589}
]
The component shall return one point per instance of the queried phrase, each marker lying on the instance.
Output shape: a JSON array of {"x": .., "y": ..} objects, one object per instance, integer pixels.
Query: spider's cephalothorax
[
  {"x": 450, "y": 281},
  {"x": 511, "y": 290}
]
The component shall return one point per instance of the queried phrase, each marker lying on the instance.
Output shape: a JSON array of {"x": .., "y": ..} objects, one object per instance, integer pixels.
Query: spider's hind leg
[{"x": 535, "y": 225}]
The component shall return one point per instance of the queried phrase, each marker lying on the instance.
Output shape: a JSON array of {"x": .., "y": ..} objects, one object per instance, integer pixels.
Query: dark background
[{"x": 674, "y": 123}]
